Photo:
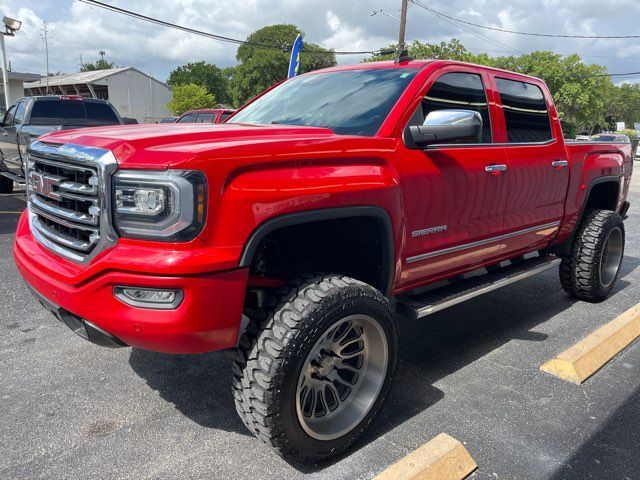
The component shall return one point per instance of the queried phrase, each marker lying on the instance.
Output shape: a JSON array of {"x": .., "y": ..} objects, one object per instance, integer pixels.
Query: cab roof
[{"x": 417, "y": 64}]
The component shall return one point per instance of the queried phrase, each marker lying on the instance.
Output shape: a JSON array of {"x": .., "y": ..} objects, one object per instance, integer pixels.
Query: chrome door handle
[
  {"x": 495, "y": 169},
  {"x": 559, "y": 163}
]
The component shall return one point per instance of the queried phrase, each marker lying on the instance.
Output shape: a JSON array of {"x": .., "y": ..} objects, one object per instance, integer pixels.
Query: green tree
[
  {"x": 97, "y": 65},
  {"x": 452, "y": 50},
  {"x": 207, "y": 75},
  {"x": 261, "y": 67},
  {"x": 190, "y": 97},
  {"x": 579, "y": 90},
  {"x": 623, "y": 104},
  {"x": 584, "y": 96}
]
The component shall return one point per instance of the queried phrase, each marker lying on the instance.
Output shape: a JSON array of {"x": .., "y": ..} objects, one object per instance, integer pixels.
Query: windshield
[{"x": 351, "y": 102}]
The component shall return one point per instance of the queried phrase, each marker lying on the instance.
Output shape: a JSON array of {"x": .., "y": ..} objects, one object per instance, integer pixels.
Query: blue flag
[{"x": 294, "y": 63}]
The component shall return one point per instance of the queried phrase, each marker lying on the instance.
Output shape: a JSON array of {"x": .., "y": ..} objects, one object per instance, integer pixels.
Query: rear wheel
[
  {"x": 315, "y": 365},
  {"x": 6, "y": 184},
  {"x": 591, "y": 270}
]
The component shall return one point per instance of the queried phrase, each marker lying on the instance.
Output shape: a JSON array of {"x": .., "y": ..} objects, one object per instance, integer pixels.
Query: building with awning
[
  {"x": 16, "y": 86},
  {"x": 133, "y": 93}
]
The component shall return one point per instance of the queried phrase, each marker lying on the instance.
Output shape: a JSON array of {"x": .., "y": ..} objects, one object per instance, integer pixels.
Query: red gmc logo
[{"x": 43, "y": 184}]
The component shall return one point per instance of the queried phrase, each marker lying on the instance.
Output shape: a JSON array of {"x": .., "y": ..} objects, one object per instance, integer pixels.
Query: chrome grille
[{"x": 67, "y": 188}]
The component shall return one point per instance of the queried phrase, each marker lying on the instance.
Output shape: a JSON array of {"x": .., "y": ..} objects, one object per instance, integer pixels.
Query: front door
[
  {"x": 454, "y": 204},
  {"x": 8, "y": 142}
]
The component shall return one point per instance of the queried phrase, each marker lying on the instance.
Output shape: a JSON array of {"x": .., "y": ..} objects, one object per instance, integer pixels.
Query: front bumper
[{"x": 208, "y": 318}]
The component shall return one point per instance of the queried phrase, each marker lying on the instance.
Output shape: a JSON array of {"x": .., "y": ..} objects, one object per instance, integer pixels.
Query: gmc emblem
[{"x": 43, "y": 184}]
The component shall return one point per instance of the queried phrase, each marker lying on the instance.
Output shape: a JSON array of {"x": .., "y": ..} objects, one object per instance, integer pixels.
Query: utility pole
[
  {"x": 45, "y": 37},
  {"x": 403, "y": 26},
  {"x": 11, "y": 26}
]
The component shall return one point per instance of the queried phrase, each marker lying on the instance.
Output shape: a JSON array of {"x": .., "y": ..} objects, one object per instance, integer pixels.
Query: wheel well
[
  {"x": 603, "y": 196},
  {"x": 356, "y": 246}
]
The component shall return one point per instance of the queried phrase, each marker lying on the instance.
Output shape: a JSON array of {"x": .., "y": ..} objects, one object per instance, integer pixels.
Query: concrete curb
[
  {"x": 441, "y": 458},
  {"x": 589, "y": 355}
]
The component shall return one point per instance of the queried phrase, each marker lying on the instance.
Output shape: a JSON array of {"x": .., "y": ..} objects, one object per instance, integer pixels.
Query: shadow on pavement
[
  {"x": 613, "y": 451},
  {"x": 430, "y": 349},
  {"x": 11, "y": 206}
]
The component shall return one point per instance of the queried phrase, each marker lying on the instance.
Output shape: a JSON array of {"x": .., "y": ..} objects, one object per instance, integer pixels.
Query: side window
[
  {"x": 8, "y": 117},
  {"x": 459, "y": 91},
  {"x": 224, "y": 116},
  {"x": 188, "y": 118},
  {"x": 525, "y": 111},
  {"x": 20, "y": 111},
  {"x": 205, "y": 118}
]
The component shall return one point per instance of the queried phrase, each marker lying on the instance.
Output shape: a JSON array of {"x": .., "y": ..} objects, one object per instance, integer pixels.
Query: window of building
[{"x": 525, "y": 112}]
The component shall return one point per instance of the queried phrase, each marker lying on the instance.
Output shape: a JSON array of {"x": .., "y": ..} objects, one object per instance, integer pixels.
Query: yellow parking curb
[
  {"x": 441, "y": 458},
  {"x": 589, "y": 355}
]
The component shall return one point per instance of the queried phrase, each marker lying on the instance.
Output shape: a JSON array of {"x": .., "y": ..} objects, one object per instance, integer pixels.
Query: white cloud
[{"x": 78, "y": 29}]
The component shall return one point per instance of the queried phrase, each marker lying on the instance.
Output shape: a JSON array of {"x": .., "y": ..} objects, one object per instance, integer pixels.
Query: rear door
[
  {"x": 454, "y": 206},
  {"x": 538, "y": 167}
]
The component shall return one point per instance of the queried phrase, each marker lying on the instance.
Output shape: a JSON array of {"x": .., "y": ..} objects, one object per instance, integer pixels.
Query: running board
[
  {"x": 432, "y": 301},
  {"x": 19, "y": 180}
]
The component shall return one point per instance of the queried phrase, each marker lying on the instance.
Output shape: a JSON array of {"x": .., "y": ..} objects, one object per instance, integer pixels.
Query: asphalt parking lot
[{"x": 71, "y": 410}]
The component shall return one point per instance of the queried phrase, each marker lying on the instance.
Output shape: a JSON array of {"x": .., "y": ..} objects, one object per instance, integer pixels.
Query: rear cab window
[
  {"x": 72, "y": 112},
  {"x": 101, "y": 112},
  {"x": 58, "y": 112},
  {"x": 525, "y": 111}
]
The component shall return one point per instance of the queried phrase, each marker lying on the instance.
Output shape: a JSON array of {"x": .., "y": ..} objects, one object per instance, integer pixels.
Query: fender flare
[
  {"x": 565, "y": 247},
  {"x": 308, "y": 216}
]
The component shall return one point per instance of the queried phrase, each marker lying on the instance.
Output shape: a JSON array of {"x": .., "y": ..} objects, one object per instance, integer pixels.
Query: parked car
[
  {"x": 610, "y": 137},
  {"x": 30, "y": 117},
  {"x": 583, "y": 138},
  {"x": 336, "y": 204},
  {"x": 206, "y": 115}
]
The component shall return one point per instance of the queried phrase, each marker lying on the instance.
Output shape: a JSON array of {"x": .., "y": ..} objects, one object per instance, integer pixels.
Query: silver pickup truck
[{"x": 30, "y": 117}]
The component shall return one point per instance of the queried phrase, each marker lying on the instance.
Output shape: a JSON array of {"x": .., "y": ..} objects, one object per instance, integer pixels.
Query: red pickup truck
[{"x": 324, "y": 212}]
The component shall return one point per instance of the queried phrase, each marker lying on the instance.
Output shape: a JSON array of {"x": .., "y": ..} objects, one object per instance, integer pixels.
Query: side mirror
[{"x": 447, "y": 126}]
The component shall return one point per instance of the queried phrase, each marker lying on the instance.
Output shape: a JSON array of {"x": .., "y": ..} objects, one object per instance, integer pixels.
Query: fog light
[{"x": 149, "y": 297}]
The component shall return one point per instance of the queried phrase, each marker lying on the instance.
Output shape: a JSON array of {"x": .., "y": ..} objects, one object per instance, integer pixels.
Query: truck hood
[{"x": 162, "y": 145}]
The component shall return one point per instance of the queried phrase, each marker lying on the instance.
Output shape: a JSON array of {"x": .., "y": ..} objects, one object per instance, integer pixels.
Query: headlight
[{"x": 167, "y": 205}]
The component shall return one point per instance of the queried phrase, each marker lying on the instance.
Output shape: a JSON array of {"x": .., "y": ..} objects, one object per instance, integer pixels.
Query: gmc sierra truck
[
  {"x": 299, "y": 233},
  {"x": 30, "y": 117}
]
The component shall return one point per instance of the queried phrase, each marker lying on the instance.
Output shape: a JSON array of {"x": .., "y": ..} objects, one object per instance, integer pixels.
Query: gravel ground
[{"x": 71, "y": 410}]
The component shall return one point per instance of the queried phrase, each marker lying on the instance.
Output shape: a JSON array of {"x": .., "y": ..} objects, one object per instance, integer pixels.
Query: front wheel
[
  {"x": 315, "y": 366},
  {"x": 591, "y": 270}
]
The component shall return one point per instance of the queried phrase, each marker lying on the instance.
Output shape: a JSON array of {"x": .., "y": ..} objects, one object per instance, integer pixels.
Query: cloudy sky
[{"x": 77, "y": 29}]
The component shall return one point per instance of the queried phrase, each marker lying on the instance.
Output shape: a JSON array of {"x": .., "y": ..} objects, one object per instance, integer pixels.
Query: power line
[
  {"x": 531, "y": 34},
  {"x": 458, "y": 24},
  {"x": 221, "y": 38}
]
